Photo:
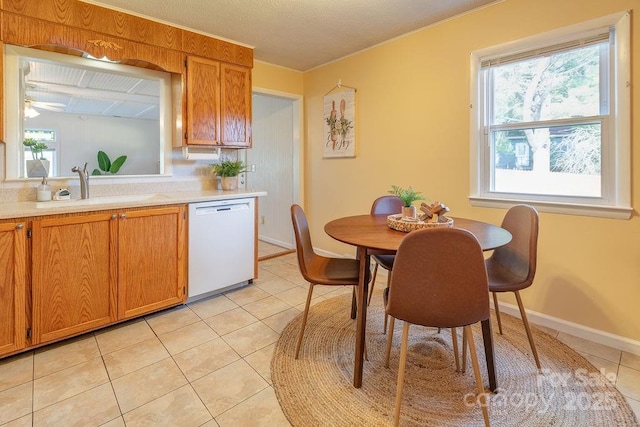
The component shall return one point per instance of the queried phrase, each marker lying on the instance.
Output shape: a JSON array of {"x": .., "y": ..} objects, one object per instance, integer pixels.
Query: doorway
[{"x": 276, "y": 131}]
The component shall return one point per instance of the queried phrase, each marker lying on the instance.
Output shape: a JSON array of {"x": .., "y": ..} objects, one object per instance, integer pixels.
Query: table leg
[
  {"x": 489, "y": 354},
  {"x": 361, "y": 322}
]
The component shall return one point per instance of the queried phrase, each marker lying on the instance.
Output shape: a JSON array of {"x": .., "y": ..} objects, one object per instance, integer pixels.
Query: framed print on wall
[{"x": 339, "y": 123}]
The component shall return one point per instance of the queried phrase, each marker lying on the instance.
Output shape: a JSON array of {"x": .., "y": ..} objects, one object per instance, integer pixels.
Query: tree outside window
[{"x": 545, "y": 126}]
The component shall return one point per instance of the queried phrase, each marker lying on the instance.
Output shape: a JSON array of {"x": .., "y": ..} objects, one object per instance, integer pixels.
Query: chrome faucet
[{"x": 84, "y": 180}]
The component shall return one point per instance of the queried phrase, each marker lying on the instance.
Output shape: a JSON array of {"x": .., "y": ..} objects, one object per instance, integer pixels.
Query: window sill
[{"x": 614, "y": 212}]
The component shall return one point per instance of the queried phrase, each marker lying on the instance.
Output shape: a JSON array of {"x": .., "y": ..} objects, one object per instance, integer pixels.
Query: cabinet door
[
  {"x": 74, "y": 275},
  {"x": 203, "y": 101},
  {"x": 12, "y": 287},
  {"x": 235, "y": 107},
  {"x": 151, "y": 260}
]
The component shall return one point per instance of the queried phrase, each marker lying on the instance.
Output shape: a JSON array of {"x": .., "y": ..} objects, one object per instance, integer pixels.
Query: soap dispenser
[{"x": 44, "y": 191}]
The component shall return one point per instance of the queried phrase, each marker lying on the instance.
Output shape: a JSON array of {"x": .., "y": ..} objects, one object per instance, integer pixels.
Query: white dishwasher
[{"x": 221, "y": 246}]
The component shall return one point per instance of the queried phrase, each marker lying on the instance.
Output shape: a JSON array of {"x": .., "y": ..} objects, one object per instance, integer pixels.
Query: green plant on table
[
  {"x": 36, "y": 148},
  {"x": 228, "y": 168},
  {"x": 106, "y": 166},
  {"x": 407, "y": 195}
]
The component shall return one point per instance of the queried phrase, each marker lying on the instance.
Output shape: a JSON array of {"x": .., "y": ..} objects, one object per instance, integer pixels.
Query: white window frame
[{"x": 616, "y": 180}]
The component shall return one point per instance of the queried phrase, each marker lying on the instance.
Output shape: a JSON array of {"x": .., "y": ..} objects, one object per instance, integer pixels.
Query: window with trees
[{"x": 551, "y": 121}]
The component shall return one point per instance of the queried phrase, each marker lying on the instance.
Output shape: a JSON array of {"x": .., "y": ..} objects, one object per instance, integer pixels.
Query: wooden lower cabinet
[
  {"x": 12, "y": 286},
  {"x": 151, "y": 260},
  {"x": 92, "y": 270},
  {"x": 73, "y": 275}
]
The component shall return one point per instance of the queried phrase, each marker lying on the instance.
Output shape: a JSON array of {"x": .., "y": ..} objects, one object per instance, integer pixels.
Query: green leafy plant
[
  {"x": 228, "y": 168},
  {"x": 107, "y": 167},
  {"x": 36, "y": 148},
  {"x": 407, "y": 195}
]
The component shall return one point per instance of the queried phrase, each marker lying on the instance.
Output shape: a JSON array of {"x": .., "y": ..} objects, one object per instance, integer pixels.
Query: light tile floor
[
  {"x": 266, "y": 249},
  {"x": 206, "y": 363}
]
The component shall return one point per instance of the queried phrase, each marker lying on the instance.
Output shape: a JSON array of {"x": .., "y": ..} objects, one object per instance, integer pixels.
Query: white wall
[
  {"x": 272, "y": 153},
  {"x": 81, "y": 137}
]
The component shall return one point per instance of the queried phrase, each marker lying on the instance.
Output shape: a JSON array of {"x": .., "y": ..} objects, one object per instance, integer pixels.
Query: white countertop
[{"x": 29, "y": 209}]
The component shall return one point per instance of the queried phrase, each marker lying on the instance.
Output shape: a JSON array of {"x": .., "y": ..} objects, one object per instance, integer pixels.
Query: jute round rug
[{"x": 317, "y": 389}]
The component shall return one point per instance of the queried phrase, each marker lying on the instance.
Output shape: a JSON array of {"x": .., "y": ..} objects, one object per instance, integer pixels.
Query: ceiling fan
[{"x": 51, "y": 106}]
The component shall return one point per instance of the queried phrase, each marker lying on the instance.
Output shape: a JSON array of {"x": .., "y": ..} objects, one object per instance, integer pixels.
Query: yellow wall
[
  {"x": 412, "y": 124},
  {"x": 271, "y": 77}
]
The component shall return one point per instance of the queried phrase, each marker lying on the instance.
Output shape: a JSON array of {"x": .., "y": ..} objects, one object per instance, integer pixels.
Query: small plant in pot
[
  {"x": 228, "y": 171},
  {"x": 408, "y": 196},
  {"x": 38, "y": 166}
]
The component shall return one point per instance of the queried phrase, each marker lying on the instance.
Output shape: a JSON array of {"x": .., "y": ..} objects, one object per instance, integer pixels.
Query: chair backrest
[
  {"x": 388, "y": 205},
  {"x": 304, "y": 248},
  {"x": 519, "y": 256},
  {"x": 439, "y": 279}
]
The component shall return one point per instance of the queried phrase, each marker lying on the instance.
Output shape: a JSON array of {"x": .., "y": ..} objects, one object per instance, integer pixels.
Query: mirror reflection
[{"x": 69, "y": 110}]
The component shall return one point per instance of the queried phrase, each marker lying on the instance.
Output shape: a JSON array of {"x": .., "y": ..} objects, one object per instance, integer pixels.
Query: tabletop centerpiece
[
  {"x": 431, "y": 216},
  {"x": 408, "y": 196}
]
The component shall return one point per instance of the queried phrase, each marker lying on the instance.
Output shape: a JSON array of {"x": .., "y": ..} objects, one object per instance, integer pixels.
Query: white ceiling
[
  {"x": 299, "y": 34},
  {"x": 62, "y": 87}
]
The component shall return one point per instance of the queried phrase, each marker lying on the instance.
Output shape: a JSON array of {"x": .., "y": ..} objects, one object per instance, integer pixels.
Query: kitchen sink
[{"x": 104, "y": 200}]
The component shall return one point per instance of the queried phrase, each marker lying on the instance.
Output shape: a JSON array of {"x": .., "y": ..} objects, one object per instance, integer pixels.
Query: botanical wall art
[{"x": 339, "y": 122}]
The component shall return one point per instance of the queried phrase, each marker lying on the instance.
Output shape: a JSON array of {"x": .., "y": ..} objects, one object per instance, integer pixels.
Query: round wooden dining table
[{"x": 371, "y": 235}]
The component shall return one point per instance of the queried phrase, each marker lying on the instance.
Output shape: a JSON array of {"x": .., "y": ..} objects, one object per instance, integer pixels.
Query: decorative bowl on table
[{"x": 400, "y": 223}]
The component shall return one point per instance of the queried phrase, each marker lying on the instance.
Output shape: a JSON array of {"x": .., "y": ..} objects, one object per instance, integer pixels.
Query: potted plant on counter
[
  {"x": 38, "y": 166},
  {"x": 228, "y": 171},
  {"x": 408, "y": 196}
]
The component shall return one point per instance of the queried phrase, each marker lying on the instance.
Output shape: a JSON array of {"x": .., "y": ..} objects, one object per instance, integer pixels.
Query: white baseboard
[
  {"x": 276, "y": 242},
  {"x": 575, "y": 329}
]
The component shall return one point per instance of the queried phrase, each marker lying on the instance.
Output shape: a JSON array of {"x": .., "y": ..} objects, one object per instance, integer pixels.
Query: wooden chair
[
  {"x": 512, "y": 267},
  {"x": 317, "y": 269},
  {"x": 439, "y": 280},
  {"x": 384, "y": 205}
]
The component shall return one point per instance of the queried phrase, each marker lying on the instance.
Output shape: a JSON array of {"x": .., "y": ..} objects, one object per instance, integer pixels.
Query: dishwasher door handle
[{"x": 212, "y": 210}]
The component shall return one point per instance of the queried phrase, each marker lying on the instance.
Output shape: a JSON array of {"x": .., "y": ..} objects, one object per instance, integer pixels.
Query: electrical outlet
[
  {"x": 252, "y": 168},
  {"x": 262, "y": 219}
]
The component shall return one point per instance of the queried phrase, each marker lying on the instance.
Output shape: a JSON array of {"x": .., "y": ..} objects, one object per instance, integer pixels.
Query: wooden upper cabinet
[
  {"x": 212, "y": 98},
  {"x": 203, "y": 101},
  {"x": 73, "y": 275},
  {"x": 218, "y": 100},
  {"x": 151, "y": 261},
  {"x": 12, "y": 287},
  {"x": 235, "y": 105},
  {"x": 26, "y": 31}
]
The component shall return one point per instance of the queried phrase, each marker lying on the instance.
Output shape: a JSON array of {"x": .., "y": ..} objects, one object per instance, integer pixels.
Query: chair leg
[
  {"x": 384, "y": 327},
  {"x": 403, "y": 360},
  {"x": 454, "y": 340},
  {"x": 389, "y": 341},
  {"x": 482, "y": 397},
  {"x": 386, "y": 316},
  {"x": 523, "y": 314},
  {"x": 464, "y": 352},
  {"x": 304, "y": 319},
  {"x": 497, "y": 310},
  {"x": 373, "y": 282}
]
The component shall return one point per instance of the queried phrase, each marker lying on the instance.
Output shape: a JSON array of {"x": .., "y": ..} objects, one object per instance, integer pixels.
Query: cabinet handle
[
  {"x": 19, "y": 226},
  {"x": 114, "y": 216},
  {"x": 123, "y": 216}
]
